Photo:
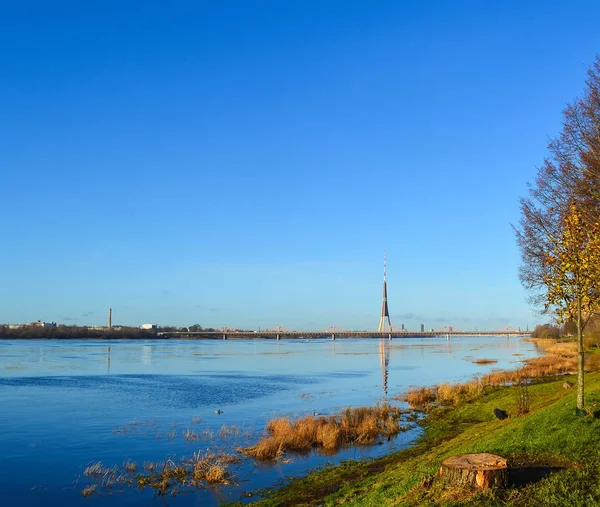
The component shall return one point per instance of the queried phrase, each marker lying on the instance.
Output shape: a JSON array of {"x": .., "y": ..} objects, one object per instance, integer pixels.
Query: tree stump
[{"x": 480, "y": 471}]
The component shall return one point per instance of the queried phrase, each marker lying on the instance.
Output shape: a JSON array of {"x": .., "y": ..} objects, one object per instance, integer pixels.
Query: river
[{"x": 68, "y": 404}]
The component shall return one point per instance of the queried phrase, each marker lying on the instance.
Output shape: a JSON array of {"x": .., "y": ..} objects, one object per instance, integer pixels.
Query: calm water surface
[{"x": 66, "y": 404}]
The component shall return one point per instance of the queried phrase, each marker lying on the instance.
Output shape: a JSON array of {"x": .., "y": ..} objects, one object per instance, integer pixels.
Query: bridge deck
[{"x": 336, "y": 334}]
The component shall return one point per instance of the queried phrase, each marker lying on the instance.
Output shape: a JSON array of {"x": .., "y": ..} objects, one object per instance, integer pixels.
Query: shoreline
[{"x": 353, "y": 483}]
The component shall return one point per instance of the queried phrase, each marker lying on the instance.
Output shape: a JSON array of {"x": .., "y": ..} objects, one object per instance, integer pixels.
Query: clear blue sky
[{"x": 246, "y": 163}]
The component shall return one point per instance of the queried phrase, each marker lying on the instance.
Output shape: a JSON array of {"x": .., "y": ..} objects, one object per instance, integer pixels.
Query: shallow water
[{"x": 66, "y": 404}]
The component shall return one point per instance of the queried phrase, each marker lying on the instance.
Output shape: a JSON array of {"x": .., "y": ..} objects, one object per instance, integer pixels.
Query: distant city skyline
[{"x": 246, "y": 165}]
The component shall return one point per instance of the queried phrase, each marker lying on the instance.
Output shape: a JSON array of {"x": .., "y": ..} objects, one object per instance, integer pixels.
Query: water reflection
[
  {"x": 384, "y": 359},
  {"x": 147, "y": 354}
]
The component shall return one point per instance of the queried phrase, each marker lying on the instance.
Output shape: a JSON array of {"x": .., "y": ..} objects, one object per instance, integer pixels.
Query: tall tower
[
  {"x": 110, "y": 317},
  {"x": 384, "y": 306}
]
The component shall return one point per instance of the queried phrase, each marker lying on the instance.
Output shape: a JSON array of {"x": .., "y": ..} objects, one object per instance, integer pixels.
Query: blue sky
[{"x": 246, "y": 163}]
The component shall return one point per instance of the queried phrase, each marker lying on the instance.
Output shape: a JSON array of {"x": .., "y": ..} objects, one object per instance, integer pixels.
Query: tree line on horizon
[
  {"x": 559, "y": 229},
  {"x": 73, "y": 332}
]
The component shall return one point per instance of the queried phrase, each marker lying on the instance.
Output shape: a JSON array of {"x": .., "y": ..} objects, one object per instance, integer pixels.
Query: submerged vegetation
[
  {"x": 359, "y": 425},
  {"x": 167, "y": 477},
  {"x": 485, "y": 361}
]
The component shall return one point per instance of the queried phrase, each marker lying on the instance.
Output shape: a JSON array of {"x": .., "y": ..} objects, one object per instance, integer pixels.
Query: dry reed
[
  {"x": 419, "y": 397},
  {"x": 130, "y": 466},
  {"x": 88, "y": 490},
  {"x": 95, "y": 470},
  {"x": 167, "y": 476},
  {"x": 485, "y": 361},
  {"x": 592, "y": 363},
  {"x": 211, "y": 468},
  {"x": 190, "y": 434},
  {"x": 229, "y": 431},
  {"x": 359, "y": 425}
]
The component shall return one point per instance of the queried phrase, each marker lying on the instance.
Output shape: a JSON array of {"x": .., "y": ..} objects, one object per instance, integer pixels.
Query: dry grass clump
[
  {"x": 130, "y": 466},
  {"x": 449, "y": 394},
  {"x": 485, "y": 361},
  {"x": 105, "y": 476},
  {"x": 564, "y": 349},
  {"x": 541, "y": 342},
  {"x": 420, "y": 398},
  {"x": 95, "y": 470},
  {"x": 212, "y": 468},
  {"x": 559, "y": 359},
  {"x": 88, "y": 490},
  {"x": 425, "y": 398},
  {"x": 453, "y": 394},
  {"x": 190, "y": 434},
  {"x": 150, "y": 466},
  {"x": 592, "y": 363},
  {"x": 359, "y": 425},
  {"x": 165, "y": 477},
  {"x": 229, "y": 431}
]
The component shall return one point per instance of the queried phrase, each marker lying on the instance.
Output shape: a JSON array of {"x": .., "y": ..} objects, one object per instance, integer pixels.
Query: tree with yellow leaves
[
  {"x": 558, "y": 232},
  {"x": 572, "y": 279}
]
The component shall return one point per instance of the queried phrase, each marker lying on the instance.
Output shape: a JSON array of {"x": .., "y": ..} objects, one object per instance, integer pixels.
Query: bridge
[{"x": 334, "y": 332}]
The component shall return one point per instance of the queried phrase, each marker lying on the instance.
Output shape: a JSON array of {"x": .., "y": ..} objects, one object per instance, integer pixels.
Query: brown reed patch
[
  {"x": 541, "y": 342},
  {"x": 453, "y": 394},
  {"x": 359, "y": 425},
  {"x": 592, "y": 363},
  {"x": 96, "y": 469},
  {"x": 485, "y": 361},
  {"x": 150, "y": 466},
  {"x": 167, "y": 477},
  {"x": 130, "y": 466},
  {"x": 229, "y": 431},
  {"x": 419, "y": 398},
  {"x": 88, "y": 490},
  {"x": 190, "y": 434},
  {"x": 564, "y": 349},
  {"x": 211, "y": 467},
  {"x": 537, "y": 367}
]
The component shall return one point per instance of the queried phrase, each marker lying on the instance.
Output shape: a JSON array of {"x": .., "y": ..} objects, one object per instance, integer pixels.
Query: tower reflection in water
[{"x": 384, "y": 357}]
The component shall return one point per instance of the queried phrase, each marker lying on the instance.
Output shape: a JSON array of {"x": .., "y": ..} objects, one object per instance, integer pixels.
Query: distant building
[
  {"x": 148, "y": 326},
  {"x": 422, "y": 328},
  {"x": 403, "y": 328},
  {"x": 43, "y": 324}
]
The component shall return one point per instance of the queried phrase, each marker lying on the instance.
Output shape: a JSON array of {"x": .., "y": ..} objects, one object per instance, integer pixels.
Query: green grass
[{"x": 551, "y": 434}]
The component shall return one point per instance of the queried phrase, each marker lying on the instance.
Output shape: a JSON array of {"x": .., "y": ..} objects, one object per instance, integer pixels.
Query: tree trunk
[
  {"x": 580, "y": 357},
  {"x": 480, "y": 471}
]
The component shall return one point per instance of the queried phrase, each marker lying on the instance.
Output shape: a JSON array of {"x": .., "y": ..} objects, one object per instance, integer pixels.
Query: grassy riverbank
[{"x": 560, "y": 449}]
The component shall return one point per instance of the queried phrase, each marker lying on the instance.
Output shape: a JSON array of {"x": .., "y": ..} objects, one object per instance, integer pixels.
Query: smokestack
[{"x": 110, "y": 318}]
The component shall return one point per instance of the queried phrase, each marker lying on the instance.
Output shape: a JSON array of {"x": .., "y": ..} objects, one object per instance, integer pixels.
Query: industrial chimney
[{"x": 109, "y": 318}]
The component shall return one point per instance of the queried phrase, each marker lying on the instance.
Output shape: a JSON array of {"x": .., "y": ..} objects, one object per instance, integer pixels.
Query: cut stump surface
[{"x": 482, "y": 470}]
